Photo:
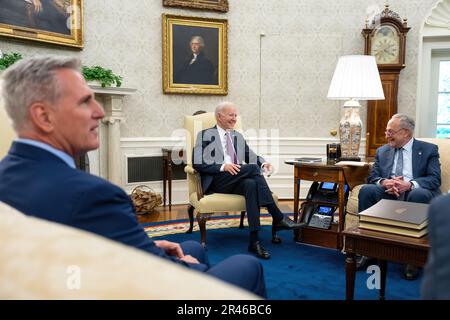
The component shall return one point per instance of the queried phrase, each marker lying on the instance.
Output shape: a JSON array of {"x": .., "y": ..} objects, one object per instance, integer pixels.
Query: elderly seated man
[
  {"x": 228, "y": 165},
  {"x": 405, "y": 169}
]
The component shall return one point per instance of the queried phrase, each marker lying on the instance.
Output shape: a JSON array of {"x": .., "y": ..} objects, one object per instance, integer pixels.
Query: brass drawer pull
[{"x": 315, "y": 174}]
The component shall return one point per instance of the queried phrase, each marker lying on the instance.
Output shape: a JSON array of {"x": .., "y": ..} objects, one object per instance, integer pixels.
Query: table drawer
[{"x": 319, "y": 175}]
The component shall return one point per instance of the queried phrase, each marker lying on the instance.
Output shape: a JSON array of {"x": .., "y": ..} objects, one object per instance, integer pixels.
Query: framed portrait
[
  {"x": 194, "y": 55},
  {"x": 52, "y": 21},
  {"x": 217, "y": 5}
]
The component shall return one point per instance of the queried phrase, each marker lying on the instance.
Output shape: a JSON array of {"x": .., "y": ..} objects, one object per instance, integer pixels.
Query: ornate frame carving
[
  {"x": 176, "y": 49},
  {"x": 22, "y": 21},
  {"x": 217, "y": 5}
]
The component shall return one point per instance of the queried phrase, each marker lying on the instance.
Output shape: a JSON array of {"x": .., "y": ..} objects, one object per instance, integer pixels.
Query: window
[{"x": 443, "y": 108}]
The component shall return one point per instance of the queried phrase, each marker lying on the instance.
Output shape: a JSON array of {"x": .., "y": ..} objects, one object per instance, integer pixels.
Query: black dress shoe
[
  {"x": 287, "y": 224},
  {"x": 258, "y": 249},
  {"x": 410, "y": 272}
]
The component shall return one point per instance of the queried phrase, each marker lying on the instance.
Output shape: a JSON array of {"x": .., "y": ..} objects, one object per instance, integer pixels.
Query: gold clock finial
[{"x": 367, "y": 22}]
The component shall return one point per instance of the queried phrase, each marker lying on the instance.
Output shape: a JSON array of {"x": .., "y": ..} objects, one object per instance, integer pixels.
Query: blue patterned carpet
[{"x": 295, "y": 271}]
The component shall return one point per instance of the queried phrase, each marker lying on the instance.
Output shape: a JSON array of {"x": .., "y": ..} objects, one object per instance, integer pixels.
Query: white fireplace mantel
[{"x": 105, "y": 161}]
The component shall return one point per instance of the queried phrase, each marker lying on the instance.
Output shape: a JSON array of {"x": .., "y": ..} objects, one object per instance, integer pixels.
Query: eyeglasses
[{"x": 391, "y": 132}]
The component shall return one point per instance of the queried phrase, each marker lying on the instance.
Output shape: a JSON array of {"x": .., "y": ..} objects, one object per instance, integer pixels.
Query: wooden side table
[
  {"x": 167, "y": 171},
  {"x": 384, "y": 247},
  {"x": 323, "y": 172}
]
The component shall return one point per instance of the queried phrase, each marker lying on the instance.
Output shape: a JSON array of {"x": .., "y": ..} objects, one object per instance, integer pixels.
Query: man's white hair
[
  {"x": 223, "y": 105},
  {"x": 200, "y": 40}
]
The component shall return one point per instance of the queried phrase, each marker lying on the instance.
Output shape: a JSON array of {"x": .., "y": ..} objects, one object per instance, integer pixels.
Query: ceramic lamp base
[{"x": 350, "y": 128}]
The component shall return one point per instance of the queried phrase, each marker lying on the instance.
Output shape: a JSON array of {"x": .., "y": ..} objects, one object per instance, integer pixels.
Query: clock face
[{"x": 386, "y": 45}]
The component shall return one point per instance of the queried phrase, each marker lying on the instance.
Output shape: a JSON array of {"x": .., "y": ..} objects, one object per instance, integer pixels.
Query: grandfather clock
[{"x": 385, "y": 38}]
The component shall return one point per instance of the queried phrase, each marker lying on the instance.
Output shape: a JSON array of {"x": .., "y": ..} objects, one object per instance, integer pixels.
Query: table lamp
[{"x": 355, "y": 78}]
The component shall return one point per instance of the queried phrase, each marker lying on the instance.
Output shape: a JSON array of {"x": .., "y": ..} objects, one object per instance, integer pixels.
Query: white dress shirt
[
  {"x": 193, "y": 59},
  {"x": 407, "y": 163}
]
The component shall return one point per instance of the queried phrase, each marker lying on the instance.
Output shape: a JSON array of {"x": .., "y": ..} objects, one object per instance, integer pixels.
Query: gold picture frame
[
  {"x": 217, "y": 5},
  {"x": 195, "y": 55},
  {"x": 52, "y": 21}
]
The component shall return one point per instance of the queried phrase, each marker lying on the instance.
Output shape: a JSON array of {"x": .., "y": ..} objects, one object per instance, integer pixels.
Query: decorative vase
[
  {"x": 350, "y": 128},
  {"x": 355, "y": 132}
]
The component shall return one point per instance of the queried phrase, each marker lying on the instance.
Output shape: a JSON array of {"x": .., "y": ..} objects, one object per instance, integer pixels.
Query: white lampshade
[{"x": 356, "y": 77}]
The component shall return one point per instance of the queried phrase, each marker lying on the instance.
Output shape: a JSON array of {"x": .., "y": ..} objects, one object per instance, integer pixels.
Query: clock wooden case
[{"x": 384, "y": 38}]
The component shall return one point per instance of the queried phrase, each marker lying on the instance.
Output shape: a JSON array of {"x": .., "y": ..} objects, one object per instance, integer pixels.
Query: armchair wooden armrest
[
  {"x": 189, "y": 170},
  {"x": 193, "y": 174}
]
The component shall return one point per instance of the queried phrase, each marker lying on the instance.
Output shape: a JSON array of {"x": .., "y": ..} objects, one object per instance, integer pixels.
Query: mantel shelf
[{"x": 113, "y": 91}]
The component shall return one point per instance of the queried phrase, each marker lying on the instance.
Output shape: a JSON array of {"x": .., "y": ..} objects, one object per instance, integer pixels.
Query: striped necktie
[
  {"x": 230, "y": 149},
  {"x": 399, "y": 170},
  {"x": 399, "y": 167}
]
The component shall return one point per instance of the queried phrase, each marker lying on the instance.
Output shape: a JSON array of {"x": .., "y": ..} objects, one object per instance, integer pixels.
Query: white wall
[
  {"x": 277, "y": 81},
  {"x": 303, "y": 41}
]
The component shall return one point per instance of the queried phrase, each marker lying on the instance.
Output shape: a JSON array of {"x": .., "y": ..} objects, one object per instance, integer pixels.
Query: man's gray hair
[
  {"x": 32, "y": 80},
  {"x": 200, "y": 40},
  {"x": 406, "y": 122},
  {"x": 221, "y": 106}
]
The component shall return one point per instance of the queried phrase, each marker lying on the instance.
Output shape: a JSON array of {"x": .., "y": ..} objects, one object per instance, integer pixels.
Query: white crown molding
[{"x": 440, "y": 15}]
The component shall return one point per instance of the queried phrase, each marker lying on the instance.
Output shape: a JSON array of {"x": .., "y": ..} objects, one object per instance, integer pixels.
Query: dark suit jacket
[
  {"x": 425, "y": 165},
  {"x": 208, "y": 156},
  {"x": 39, "y": 184},
  {"x": 436, "y": 281},
  {"x": 201, "y": 71}
]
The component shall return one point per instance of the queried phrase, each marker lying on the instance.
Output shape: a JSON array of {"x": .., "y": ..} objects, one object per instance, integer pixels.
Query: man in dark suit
[
  {"x": 405, "y": 169},
  {"x": 196, "y": 69},
  {"x": 227, "y": 165},
  {"x": 436, "y": 280},
  {"x": 56, "y": 119}
]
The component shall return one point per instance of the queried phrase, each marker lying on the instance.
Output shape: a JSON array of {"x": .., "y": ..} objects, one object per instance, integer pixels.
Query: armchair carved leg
[
  {"x": 191, "y": 218},
  {"x": 201, "y": 219},
  {"x": 241, "y": 224}
]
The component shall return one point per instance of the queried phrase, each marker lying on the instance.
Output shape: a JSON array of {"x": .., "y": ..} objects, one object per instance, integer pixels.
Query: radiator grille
[{"x": 142, "y": 169}]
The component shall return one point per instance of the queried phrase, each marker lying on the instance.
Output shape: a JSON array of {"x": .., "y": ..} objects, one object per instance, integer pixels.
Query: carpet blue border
[{"x": 167, "y": 222}]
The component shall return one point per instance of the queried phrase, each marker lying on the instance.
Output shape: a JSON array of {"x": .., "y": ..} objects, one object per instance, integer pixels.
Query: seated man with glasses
[{"x": 405, "y": 169}]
